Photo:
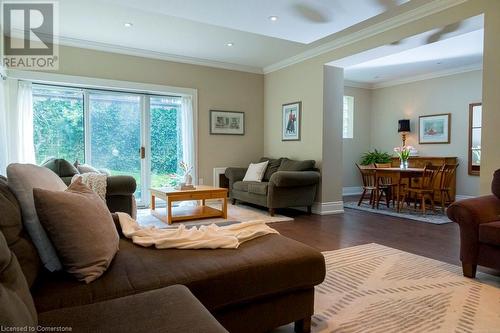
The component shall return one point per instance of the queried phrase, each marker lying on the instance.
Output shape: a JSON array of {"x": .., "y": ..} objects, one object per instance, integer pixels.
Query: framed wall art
[
  {"x": 227, "y": 122},
  {"x": 291, "y": 121},
  {"x": 434, "y": 128}
]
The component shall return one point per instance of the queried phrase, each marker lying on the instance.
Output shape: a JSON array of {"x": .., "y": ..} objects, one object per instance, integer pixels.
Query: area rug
[
  {"x": 431, "y": 217},
  {"x": 376, "y": 289},
  {"x": 235, "y": 214}
]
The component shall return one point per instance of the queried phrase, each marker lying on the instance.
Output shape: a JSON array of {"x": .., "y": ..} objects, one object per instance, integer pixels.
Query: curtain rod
[{"x": 103, "y": 89}]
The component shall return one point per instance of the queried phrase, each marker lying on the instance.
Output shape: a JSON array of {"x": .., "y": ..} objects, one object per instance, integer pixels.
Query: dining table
[{"x": 396, "y": 175}]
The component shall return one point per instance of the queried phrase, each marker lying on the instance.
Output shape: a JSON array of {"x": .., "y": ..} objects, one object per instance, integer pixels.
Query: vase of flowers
[
  {"x": 186, "y": 170},
  {"x": 404, "y": 154}
]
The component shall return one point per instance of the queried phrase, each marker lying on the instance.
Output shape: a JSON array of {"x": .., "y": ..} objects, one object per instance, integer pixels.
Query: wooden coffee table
[{"x": 202, "y": 193}]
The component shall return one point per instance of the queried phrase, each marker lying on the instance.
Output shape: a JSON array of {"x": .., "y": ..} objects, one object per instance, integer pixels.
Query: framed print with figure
[
  {"x": 291, "y": 121},
  {"x": 434, "y": 128},
  {"x": 227, "y": 122}
]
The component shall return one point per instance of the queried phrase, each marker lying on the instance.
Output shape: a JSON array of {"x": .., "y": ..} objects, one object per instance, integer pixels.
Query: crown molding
[
  {"x": 370, "y": 31},
  {"x": 354, "y": 84},
  {"x": 85, "y": 44},
  {"x": 428, "y": 76}
]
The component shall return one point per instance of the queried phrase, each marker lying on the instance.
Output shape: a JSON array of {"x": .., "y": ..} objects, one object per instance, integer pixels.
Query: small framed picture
[
  {"x": 291, "y": 121},
  {"x": 434, "y": 128},
  {"x": 227, "y": 122}
]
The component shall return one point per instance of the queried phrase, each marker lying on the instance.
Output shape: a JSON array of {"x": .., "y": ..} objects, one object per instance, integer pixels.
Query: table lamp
[{"x": 404, "y": 129}]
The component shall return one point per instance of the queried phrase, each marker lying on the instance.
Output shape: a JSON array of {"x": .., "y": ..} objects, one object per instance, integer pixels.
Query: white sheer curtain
[
  {"x": 3, "y": 127},
  {"x": 188, "y": 137},
  {"x": 22, "y": 143}
]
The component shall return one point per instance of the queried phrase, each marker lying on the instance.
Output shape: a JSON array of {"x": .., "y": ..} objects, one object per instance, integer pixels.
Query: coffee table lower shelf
[{"x": 188, "y": 213}]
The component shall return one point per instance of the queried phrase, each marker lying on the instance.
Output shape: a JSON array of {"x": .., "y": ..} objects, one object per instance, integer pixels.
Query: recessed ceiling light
[
  {"x": 128, "y": 24},
  {"x": 273, "y": 18},
  {"x": 230, "y": 44}
]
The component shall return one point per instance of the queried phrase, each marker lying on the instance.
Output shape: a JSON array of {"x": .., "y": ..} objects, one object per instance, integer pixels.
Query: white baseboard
[
  {"x": 328, "y": 208},
  {"x": 463, "y": 197},
  {"x": 353, "y": 190}
]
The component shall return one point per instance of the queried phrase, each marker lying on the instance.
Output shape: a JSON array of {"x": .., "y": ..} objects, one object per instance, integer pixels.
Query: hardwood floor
[{"x": 331, "y": 232}]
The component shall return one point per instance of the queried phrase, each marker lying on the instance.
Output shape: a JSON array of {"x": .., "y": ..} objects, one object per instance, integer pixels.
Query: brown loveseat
[
  {"x": 479, "y": 220},
  {"x": 265, "y": 283},
  {"x": 286, "y": 183}
]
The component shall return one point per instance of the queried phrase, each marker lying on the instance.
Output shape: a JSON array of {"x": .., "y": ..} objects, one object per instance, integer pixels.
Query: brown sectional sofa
[
  {"x": 265, "y": 283},
  {"x": 479, "y": 220}
]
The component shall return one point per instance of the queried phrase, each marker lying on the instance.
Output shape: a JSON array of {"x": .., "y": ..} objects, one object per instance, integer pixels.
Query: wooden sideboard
[{"x": 422, "y": 161}]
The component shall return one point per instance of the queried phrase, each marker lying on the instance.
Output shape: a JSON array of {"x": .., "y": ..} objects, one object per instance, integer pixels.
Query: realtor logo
[{"x": 30, "y": 32}]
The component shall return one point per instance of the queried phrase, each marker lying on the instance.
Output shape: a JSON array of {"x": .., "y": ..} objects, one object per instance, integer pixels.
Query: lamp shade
[{"x": 404, "y": 125}]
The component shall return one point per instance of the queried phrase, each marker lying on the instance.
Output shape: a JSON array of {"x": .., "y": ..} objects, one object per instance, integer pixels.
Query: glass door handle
[{"x": 142, "y": 152}]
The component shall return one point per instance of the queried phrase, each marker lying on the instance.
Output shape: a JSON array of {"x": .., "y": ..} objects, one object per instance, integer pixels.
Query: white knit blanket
[
  {"x": 203, "y": 237},
  {"x": 97, "y": 182}
]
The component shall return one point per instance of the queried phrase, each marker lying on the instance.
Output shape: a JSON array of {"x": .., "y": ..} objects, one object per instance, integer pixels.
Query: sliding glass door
[
  {"x": 144, "y": 136},
  {"x": 114, "y": 134}
]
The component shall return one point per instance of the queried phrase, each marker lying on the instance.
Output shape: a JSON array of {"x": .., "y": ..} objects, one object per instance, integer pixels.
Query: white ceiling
[
  {"x": 200, "y": 29},
  {"x": 416, "y": 57}
]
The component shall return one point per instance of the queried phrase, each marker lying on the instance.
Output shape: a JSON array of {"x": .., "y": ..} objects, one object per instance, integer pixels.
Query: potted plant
[{"x": 375, "y": 156}]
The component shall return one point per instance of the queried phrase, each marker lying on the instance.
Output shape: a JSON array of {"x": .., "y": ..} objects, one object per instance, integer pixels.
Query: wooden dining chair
[
  {"x": 426, "y": 189},
  {"x": 388, "y": 184},
  {"x": 447, "y": 173},
  {"x": 370, "y": 184}
]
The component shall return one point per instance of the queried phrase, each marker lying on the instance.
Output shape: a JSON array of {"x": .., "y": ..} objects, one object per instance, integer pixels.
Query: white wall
[{"x": 450, "y": 94}]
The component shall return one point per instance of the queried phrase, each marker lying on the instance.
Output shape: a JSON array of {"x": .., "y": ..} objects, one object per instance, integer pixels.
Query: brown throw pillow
[{"x": 81, "y": 228}]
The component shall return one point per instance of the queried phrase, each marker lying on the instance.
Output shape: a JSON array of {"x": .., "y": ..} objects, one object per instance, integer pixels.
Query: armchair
[
  {"x": 119, "y": 189},
  {"x": 479, "y": 220},
  {"x": 286, "y": 183}
]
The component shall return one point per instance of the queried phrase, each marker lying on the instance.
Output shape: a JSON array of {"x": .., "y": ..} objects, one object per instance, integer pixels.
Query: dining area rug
[
  {"x": 437, "y": 217},
  {"x": 378, "y": 289}
]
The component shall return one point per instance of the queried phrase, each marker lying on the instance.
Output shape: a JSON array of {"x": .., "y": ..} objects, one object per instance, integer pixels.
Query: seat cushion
[
  {"x": 490, "y": 233},
  {"x": 16, "y": 304},
  {"x": 251, "y": 187},
  {"x": 171, "y": 309},
  {"x": 264, "y": 266}
]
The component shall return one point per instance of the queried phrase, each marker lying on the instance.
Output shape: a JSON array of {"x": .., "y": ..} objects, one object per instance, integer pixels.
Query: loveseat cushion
[
  {"x": 251, "y": 187},
  {"x": 16, "y": 304},
  {"x": 170, "y": 309},
  {"x": 61, "y": 167},
  {"x": 272, "y": 166},
  {"x": 11, "y": 226},
  {"x": 490, "y": 233},
  {"x": 292, "y": 165},
  {"x": 264, "y": 266}
]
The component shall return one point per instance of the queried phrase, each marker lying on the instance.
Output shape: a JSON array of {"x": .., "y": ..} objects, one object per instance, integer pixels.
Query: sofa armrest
[
  {"x": 235, "y": 174},
  {"x": 120, "y": 185},
  {"x": 294, "y": 178},
  {"x": 475, "y": 211},
  {"x": 170, "y": 309}
]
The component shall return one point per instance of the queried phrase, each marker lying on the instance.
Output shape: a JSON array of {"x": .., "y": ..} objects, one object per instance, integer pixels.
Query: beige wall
[
  {"x": 304, "y": 82},
  {"x": 361, "y": 141},
  {"x": 217, "y": 89},
  {"x": 450, "y": 94}
]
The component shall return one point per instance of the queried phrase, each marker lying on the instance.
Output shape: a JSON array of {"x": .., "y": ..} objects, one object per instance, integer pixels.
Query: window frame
[
  {"x": 351, "y": 116},
  {"x": 474, "y": 170}
]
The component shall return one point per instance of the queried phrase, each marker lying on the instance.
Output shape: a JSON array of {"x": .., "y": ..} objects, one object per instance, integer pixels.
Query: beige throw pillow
[
  {"x": 255, "y": 172},
  {"x": 81, "y": 228}
]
